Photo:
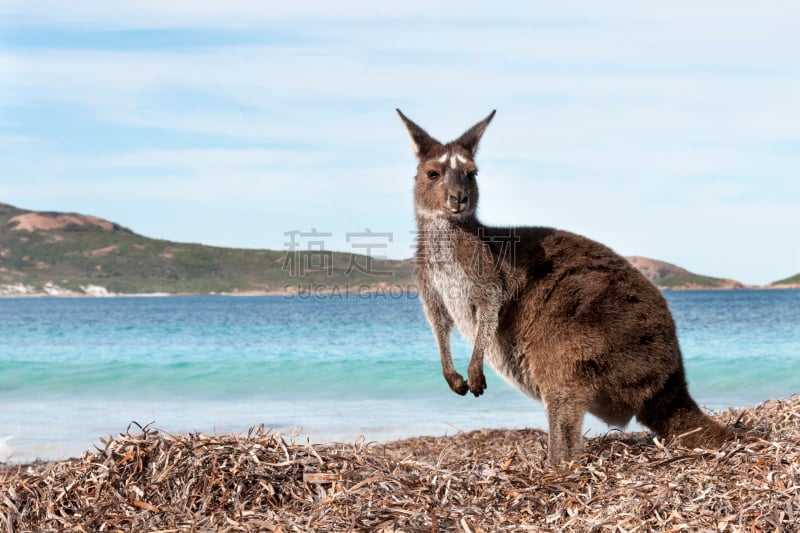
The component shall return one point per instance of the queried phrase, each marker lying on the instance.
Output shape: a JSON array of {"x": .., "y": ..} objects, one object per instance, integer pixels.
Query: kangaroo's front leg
[
  {"x": 442, "y": 324},
  {"x": 486, "y": 314}
]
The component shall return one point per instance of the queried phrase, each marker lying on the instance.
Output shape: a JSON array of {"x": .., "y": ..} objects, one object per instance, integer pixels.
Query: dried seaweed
[{"x": 487, "y": 480}]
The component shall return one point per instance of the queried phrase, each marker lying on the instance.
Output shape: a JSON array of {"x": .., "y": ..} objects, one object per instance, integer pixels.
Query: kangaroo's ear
[
  {"x": 421, "y": 142},
  {"x": 472, "y": 136}
]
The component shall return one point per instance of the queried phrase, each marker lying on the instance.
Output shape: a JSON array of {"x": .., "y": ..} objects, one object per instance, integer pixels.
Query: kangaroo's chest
[
  {"x": 457, "y": 291},
  {"x": 448, "y": 276}
]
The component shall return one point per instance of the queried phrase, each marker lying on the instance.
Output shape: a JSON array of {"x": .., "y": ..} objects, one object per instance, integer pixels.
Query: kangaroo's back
[{"x": 562, "y": 317}]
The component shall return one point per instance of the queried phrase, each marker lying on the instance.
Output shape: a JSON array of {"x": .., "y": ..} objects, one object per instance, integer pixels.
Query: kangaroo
[{"x": 563, "y": 318}]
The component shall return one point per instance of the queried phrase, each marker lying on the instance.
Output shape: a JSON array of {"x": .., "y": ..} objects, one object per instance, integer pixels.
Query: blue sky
[{"x": 669, "y": 131}]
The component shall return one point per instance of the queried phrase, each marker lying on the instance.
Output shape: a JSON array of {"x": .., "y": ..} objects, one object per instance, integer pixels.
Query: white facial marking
[
  {"x": 461, "y": 158},
  {"x": 428, "y": 213},
  {"x": 453, "y": 162},
  {"x": 443, "y": 158}
]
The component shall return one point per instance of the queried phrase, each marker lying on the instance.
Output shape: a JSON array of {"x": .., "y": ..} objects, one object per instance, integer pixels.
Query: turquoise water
[{"x": 72, "y": 370}]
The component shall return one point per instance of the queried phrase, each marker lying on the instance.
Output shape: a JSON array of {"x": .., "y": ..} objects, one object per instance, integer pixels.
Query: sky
[{"x": 667, "y": 130}]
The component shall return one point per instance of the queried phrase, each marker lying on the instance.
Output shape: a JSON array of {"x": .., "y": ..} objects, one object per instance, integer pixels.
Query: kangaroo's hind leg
[{"x": 565, "y": 412}]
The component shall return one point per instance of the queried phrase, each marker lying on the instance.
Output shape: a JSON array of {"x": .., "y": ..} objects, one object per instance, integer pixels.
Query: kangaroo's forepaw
[
  {"x": 477, "y": 381},
  {"x": 457, "y": 383}
]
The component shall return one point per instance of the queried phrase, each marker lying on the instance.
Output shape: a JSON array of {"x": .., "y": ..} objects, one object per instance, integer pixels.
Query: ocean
[{"x": 320, "y": 368}]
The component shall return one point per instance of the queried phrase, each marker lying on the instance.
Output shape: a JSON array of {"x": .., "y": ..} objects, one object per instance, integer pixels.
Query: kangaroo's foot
[
  {"x": 476, "y": 379},
  {"x": 457, "y": 383}
]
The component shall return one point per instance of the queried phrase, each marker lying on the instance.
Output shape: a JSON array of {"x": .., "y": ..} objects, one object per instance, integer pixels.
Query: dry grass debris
[{"x": 488, "y": 480}]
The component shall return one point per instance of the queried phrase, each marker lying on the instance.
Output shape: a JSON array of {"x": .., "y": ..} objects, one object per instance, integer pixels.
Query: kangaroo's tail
[{"x": 672, "y": 413}]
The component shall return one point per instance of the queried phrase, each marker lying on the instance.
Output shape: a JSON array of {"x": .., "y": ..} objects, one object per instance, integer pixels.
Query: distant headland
[{"x": 71, "y": 254}]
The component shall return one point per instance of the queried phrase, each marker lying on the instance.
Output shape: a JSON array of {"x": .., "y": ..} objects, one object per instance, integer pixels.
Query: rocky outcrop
[
  {"x": 45, "y": 222},
  {"x": 672, "y": 277},
  {"x": 51, "y": 289}
]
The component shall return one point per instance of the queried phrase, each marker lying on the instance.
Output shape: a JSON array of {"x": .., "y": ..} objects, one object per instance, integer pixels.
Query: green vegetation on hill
[
  {"x": 791, "y": 280},
  {"x": 123, "y": 262},
  {"x": 678, "y": 281}
]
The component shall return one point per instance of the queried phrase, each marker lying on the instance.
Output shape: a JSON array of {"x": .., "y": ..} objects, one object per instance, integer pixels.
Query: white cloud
[
  {"x": 125, "y": 14},
  {"x": 120, "y": 14},
  {"x": 195, "y": 160}
]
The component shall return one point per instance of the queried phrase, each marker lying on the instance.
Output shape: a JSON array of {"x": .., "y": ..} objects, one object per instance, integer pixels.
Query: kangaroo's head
[{"x": 445, "y": 185}]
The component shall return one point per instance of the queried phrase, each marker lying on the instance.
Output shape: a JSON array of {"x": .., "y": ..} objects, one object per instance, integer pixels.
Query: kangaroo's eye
[
  {"x": 472, "y": 174},
  {"x": 432, "y": 174}
]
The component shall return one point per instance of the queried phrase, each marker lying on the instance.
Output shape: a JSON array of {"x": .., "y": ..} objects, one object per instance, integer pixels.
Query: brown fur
[{"x": 562, "y": 317}]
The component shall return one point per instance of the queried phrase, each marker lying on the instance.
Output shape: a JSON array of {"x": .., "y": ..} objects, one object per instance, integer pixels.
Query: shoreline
[
  {"x": 730, "y": 416},
  {"x": 326, "y": 291},
  {"x": 290, "y": 291}
]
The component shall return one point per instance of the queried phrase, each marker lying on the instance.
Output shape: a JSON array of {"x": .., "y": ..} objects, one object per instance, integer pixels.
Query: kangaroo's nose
[{"x": 457, "y": 201}]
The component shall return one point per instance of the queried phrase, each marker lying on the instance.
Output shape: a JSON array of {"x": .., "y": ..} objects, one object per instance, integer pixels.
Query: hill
[
  {"x": 70, "y": 253},
  {"x": 668, "y": 276}
]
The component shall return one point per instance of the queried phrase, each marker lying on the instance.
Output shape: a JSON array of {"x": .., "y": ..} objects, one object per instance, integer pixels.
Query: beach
[{"x": 479, "y": 481}]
